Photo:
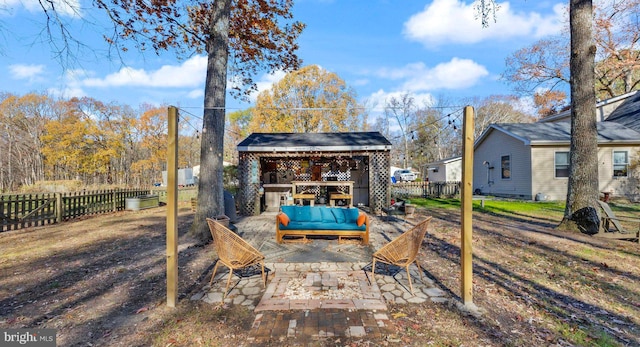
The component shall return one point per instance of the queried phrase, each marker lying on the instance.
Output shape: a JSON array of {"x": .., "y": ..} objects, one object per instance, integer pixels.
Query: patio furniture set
[{"x": 236, "y": 254}]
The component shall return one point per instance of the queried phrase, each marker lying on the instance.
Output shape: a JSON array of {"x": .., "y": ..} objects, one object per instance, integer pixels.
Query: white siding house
[{"x": 445, "y": 170}]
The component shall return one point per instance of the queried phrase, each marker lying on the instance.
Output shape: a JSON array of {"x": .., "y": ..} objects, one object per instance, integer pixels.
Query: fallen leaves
[{"x": 143, "y": 309}]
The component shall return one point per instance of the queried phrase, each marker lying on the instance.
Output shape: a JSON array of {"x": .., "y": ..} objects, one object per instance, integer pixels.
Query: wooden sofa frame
[{"x": 343, "y": 235}]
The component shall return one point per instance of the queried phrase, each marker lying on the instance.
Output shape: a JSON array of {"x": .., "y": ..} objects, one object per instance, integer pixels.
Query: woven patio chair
[
  {"x": 403, "y": 250},
  {"x": 233, "y": 252}
]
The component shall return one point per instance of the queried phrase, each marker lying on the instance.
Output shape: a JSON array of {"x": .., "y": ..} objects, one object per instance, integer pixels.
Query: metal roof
[
  {"x": 316, "y": 142},
  {"x": 560, "y": 133}
]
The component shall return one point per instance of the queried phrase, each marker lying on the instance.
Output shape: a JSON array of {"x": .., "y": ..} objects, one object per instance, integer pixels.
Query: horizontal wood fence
[
  {"x": 26, "y": 210},
  {"x": 425, "y": 189}
]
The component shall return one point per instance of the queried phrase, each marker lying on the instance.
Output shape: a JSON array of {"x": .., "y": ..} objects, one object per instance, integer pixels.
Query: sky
[{"x": 381, "y": 48}]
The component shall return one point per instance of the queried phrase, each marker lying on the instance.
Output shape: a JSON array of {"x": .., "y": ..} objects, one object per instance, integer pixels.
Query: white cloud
[
  {"x": 196, "y": 94},
  {"x": 265, "y": 82},
  {"x": 455, "y": 21},
  {"x": 190, "y": 73},
  {"x": 525, "y": 104},
  {"x": 30, "y": 72},
  {"x": 68, "y": 8},
  {"x": 380, "y": 98},
  {"x": 71, "y": 85},
  {"x": 360, "y": 82},
  {"x": 67, "y": 92},
  {"x": 454, "y": 74}
]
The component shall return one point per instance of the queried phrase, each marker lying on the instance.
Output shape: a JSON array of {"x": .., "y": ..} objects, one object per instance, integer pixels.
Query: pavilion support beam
[
  {"x": 466, "y": 253},
  {"x": 172, "y": 208}
]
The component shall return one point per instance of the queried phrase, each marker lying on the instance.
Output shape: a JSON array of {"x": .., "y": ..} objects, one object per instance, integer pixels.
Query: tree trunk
[
  {"x": 210, "y": 187},
  {"x": 583, "y": 176}
]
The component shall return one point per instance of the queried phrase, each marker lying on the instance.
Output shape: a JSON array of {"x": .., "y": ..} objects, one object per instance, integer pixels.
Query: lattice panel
[
  {"x": 293, "y": 169},
  {"x": 379, "y": 178},
  {"x": 248, "y": 163}
]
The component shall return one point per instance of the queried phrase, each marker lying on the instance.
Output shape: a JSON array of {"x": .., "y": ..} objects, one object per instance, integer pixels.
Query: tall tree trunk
[
  {"x": 210, "y": 187},
  {"x": 582, "y": 192}
]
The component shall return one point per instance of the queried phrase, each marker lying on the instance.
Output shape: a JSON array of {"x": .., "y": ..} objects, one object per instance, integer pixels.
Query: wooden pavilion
[{"x": 313, "y": 168}]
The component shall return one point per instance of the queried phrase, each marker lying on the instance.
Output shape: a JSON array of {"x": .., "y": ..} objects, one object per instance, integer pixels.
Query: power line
[
  {"x": 304, "y": 108},
  {"x": 198, "y": 131}
]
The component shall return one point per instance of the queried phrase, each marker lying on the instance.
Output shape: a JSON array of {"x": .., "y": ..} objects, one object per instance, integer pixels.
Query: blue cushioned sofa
[{"x": 322, "y": 220}]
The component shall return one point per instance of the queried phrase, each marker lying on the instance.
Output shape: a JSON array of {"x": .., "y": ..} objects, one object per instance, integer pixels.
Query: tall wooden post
[
  {"x": 466, "y": 254},
  {"x": 172, "y": 207},
  {"x": 59, "y": 208}
]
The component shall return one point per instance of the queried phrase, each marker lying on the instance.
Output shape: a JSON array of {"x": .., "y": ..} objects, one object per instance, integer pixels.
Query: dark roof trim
[{"x": 314, "y": 142}]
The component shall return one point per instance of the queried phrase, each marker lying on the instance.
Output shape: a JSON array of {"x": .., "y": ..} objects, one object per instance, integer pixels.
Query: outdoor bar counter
[{"x": 344, "y": 190}]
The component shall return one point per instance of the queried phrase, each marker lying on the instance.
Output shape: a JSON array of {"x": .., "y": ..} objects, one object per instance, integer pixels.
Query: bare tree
[
  {"x": 616, "y": 34},
  {"x": 403, "y": 110},
  {"x": 497, "y": 109}
]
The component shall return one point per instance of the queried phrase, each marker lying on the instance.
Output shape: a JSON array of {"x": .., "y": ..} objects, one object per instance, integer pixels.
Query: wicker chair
[
  {"x": 233, "y": 252},
  {"x": 403, "y": 250}
]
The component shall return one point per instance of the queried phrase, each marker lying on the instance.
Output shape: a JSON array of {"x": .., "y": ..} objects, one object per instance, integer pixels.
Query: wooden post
[
  {"x": 466, "y": 254},
  {"x": 59, "y": 208},
  {"x": 172, "y": 207}
]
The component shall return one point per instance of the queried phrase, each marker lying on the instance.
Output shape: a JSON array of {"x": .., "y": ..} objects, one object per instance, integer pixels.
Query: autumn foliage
[
  {"x": 84, "y": 139},
  {"x": 311, "y": 99}
]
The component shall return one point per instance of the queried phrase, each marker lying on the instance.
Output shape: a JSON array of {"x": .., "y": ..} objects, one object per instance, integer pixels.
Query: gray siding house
[{"x": 531, "y": 160}]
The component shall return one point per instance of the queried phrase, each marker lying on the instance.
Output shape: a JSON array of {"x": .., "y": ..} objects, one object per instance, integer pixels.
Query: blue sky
[{"x": 381, "y": 48}]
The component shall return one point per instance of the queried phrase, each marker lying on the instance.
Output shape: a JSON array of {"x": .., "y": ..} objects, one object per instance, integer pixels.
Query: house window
[
  {"x": 505, "y": 161},
  {"x": 620, "y": 163},
  {"x": 562, "y": 164}
]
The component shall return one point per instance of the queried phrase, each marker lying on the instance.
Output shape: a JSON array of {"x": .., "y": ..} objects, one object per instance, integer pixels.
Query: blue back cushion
[
  {"x": 316, "y": 215},
  {"x": 351, "y": 215},
  {"x": 337, "y": 212},
  {"x": 289, "y": 211},
  {"x": 303, "y": 213},
  {"x": 327, "y": 216}
]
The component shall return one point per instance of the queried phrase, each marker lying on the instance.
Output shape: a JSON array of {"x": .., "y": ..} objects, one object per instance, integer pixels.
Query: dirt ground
[{"x": 100, "y": 281}]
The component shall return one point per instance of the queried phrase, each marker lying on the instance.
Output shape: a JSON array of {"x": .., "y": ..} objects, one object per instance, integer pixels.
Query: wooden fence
[
  {"x": 425, "y": 189},
  {"x": 25, "y": 210}
]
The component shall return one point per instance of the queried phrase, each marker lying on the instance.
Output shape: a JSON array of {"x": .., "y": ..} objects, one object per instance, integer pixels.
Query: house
[
  {"x": 445, "y": 170},
  {"x": 531, "y": 160}
]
